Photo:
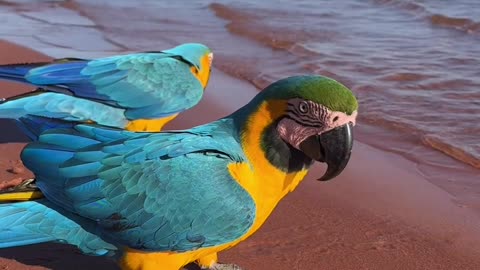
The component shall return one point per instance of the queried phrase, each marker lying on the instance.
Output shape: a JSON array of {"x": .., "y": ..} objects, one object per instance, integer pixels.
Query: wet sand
[{"x": 379, "y": 214}]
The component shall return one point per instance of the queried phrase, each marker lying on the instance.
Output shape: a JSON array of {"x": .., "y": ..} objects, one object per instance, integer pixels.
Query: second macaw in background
[
  {"x": 163, "y": 200},
  {"x": 136, "y": 92}
]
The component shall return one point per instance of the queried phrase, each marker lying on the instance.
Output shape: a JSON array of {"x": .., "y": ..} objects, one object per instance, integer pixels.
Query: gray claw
[
  {"x": 26, "y": 185},
  {"x": 224, "y": 266}
]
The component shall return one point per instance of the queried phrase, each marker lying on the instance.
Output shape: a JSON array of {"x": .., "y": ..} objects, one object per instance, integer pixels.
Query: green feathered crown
[{"x": 319, "y": 89}]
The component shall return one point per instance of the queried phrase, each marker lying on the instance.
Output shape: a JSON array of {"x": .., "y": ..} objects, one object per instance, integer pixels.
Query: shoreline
[{"x": 379, "y": 214}]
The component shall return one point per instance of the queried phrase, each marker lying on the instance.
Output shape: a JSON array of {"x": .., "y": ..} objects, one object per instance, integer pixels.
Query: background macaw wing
[
  {"x": 163, "y": 192},
  {"x": 49, "y": 105},
  {"x": 147, "y": 85}
]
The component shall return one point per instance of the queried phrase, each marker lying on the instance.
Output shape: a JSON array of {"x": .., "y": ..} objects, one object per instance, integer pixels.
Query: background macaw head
[
  {"x": 317, "y": 118},
  {"x": 199, "y": 56}
]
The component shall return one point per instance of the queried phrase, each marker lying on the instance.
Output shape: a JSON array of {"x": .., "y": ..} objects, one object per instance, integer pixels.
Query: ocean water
[{"x": 414, "y": 65}]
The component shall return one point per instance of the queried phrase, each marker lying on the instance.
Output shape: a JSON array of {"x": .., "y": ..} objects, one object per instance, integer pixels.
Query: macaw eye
[{"x": 303, "y": 107}]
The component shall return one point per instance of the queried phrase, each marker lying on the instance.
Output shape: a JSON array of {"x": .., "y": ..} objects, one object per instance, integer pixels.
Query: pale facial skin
[{"x": 306, "y": 118}]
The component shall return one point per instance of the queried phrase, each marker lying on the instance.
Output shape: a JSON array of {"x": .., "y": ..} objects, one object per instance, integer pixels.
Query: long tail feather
[
  {"x": 17, "y": 72},
  {"x": 33, "y": 222},
  {"x": 39, "y": 111}
]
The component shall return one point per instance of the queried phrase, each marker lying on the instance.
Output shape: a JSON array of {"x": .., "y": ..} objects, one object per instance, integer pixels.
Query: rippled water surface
[{"x": 414, "y": 65}]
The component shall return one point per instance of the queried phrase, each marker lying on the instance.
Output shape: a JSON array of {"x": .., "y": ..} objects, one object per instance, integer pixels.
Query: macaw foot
[
  {"x": 216, "y": 266},
  {"x": 18, "y": 184},
  {"x": 21, "y": 190},
  {"x": 225, "y": 266}
]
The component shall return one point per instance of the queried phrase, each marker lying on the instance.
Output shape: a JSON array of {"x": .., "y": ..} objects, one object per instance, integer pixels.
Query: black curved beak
[{"x": 333, "y": 147}]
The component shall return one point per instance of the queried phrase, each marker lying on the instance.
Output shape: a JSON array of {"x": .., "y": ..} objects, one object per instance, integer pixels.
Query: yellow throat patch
[{"x": 266, "y": 184}]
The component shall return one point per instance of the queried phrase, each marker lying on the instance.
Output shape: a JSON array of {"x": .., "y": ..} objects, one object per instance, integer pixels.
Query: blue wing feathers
[
  {"x": 80, "y": 170},
  {"x": 108, "y": 78},
  {"x": 101, "y": 66},
  {"x": 104, "y": 134},
  {"x": 16, "y": 72},
  {"x": 62, "y": 107},
  {"x": 119, "y": 149},
  {"x": 61, "y": 73},
  {"x": 137, "y": 185},
  {"x": 65, "y": 139},
  {"x": 112, "y": 161},
  {"x": 90, "y": 156},
  {"x": 33, "y": 126},
  {"x": 148, "y": 80},
  {"x": 85, "y": 193},
  {"x": 44, "y": 159},
  {"x": 111, "y": 172}
]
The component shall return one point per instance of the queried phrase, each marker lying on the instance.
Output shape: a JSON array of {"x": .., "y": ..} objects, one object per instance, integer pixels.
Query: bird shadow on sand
[
  {"x": 60, "y": 257},
  {"x": 56, "y": 257},
  {"x": 11, "y": 133}
]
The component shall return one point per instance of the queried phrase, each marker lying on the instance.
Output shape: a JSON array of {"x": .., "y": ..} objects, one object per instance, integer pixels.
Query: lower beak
[{"x": 333, "y": 147}]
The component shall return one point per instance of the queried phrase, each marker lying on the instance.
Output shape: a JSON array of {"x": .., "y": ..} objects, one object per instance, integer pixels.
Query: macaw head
[
  {"x": 199, "y": 57},
  {"x": 314, "y": 116}
]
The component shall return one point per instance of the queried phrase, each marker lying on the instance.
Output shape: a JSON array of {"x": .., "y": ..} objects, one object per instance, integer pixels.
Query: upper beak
[{"x": 332, "y": 147}]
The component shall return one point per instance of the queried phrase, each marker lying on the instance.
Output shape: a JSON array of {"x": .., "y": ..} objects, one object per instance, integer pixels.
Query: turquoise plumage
[
  {"x": 63, "y": 107},
  {"x": 120, "y": 88},
  {"x": 185, "y": 195},
  {"x": 136, "y": 186}
]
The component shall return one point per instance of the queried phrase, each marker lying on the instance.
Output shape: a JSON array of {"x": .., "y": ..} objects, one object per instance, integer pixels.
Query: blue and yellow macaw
[
  {"x": 136, "y": 92},
  {"x": 163, "y": 200}
]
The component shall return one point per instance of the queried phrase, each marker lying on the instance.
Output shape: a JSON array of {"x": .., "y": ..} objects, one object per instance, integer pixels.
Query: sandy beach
[{"x": 379, "y": 214}]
